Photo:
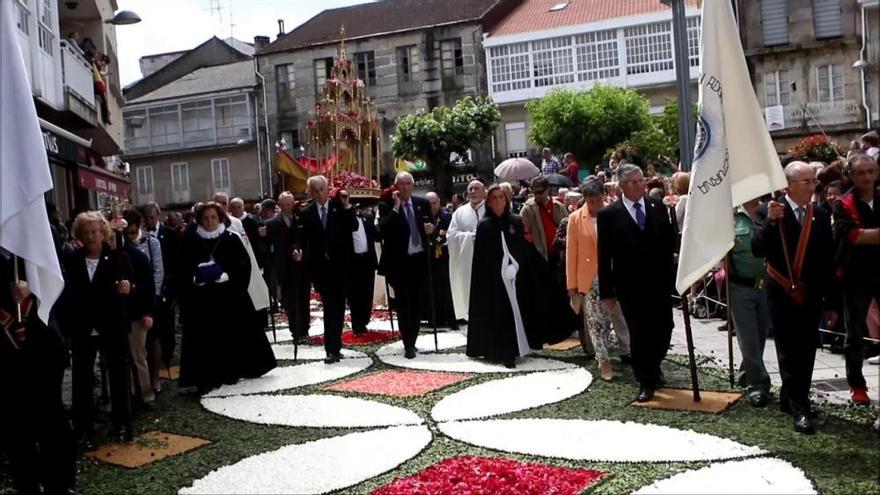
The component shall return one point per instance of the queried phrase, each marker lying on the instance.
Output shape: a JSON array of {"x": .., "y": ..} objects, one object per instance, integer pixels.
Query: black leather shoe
[
  {"x": 645, "y": 394},
  {"x": 302, "y": 340},
  {"x": 758, "y": 399},
  {"x": 510, "y": 363},
  {"x": 332, "y": 358},
  {"x": 410, "y": 353},
  {"x": 802, "y": 424},
  {"x": 626, "y": 359}
]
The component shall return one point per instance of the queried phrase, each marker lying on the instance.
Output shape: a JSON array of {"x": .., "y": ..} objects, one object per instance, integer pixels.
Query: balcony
[
  {"x": 79, "y": 87},
  {"x": 827, "y": 114}
]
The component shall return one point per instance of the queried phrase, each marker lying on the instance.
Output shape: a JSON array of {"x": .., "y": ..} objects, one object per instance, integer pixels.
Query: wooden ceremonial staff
[
  {"x": 430, "y": 254},
  {"x": 685, "y": 311},
  {"x": 120, "y": 225},
  {"x": 18, "y": 320},
  {"x": 730, "y": 371}
]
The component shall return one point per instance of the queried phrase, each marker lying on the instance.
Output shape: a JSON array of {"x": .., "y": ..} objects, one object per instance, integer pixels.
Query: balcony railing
[
  {"x": 77, "y": 74},
  {"x": 826, "y": 113}
]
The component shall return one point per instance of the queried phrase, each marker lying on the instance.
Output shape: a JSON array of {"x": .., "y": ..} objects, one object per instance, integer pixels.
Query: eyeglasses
[{"x": 806, "y": 182}]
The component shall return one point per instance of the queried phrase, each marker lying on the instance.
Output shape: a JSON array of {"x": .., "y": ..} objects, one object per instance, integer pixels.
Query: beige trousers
[{"x": 137, "y": 353}]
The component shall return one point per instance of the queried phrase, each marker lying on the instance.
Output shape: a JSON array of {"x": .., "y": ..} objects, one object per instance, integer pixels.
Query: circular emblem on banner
[{"x": 703, "y": 138}]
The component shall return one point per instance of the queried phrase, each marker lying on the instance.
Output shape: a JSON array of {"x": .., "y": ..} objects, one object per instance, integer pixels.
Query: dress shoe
[
  {"x": 758, "y": 399},
  {"x": 874, "y": 359},
  {"x": 410, "y": 353},
  {"x": 332, "y": 358},
  {"x": 302, "y": 340},
  {"x": 645, "y": 394},
  {"x": 859, "y": 396},
  {"x": 802, "y": 424},
  {"x": 626, "y": 359},
  {"x": 510, "y": 363}
]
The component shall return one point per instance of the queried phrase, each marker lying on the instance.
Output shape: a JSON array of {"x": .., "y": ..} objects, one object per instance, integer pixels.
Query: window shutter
[
  {"x": 774, "y": 19},
  {"x": 826, "y": 18}
]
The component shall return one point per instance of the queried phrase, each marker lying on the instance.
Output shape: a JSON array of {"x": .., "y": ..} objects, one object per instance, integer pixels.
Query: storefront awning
[{"x": 102, "y": 181}]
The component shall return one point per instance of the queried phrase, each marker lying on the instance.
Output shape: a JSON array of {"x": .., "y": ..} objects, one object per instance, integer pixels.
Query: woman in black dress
[{"x": 221, "y": 342}]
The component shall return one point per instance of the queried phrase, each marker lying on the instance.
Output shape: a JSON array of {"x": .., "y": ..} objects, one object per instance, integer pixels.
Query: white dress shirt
[
  {"x": 631, "y": 209},
  {"x": 359, "y": 237}
]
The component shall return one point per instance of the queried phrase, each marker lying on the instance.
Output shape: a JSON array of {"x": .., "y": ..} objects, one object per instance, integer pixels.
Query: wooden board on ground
[
  {"x": 680, "y": 399},
  {"x": 146, "y": 448},
  {"x": 172, "y": 373},
  {"x": 565, "y": 345}
]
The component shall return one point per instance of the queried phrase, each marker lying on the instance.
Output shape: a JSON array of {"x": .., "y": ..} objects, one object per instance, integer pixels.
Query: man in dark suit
[
  {"x": 284, "y": 234},
  {"x": 163, "y": 326},
  {"x": 636, "y": 256},
  {"x": 363, "y": 271},
  {"x": 405, "y": 224},
  {"x": 328, "y": 227},
  {"x": 800, "y": 285}
]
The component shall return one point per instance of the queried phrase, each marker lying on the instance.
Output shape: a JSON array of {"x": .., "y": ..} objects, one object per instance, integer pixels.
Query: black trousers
[
  {"x": 796, "y": 329},
  {"x": 34, "y": 427},
  {"x": 649, "y": 320},
  {"x": 857, "y": 299},
  {"x": 360, "y": 291},
  {"x": 332, "y": 291},
  {"x": 114, "y": 349},
  {"x": 410, "y": 286},
  {"x": 165, "y": 329},
  {"x": 295, "y": 299}
]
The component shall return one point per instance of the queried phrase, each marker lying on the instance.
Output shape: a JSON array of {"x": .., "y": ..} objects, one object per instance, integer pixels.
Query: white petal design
[
  {"x": 381, "y": 326},
  {"x": 316, "y": 328},
  {"x": 287, "y": 377},
  {"x": 281, "y": 334},
  {"x": 600, "y": 441},
  {"x": 282, "y": 331},
  {"x": 464, "y": 364},
  {"x": 317, "y": 411},
  {"x": 319, "y": 466},
  {"x": 761, "y": 475},
  {"x": 425, "y": 343},
  {"x": 516, "y": 393},
  {"x": 310, "y": 352}
]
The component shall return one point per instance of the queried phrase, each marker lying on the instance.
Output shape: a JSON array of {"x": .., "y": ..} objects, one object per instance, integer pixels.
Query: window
[
  {"x": 774, "y": 22},
  {"x": 510, "y": 67},
  {"x": 830, "y": 82},
  {"x": 597, "y": 55},
  {"x": 693, "y": 33},
  {"x": 515, "y": 132},
  {"x": 220, "y": 174},
  {"x": 451, "y": 60},
  {"x": 323, "y": 66},
  {"x": 45, "y": 26},
  {"x": 552, "y": 61},
  {"x": 24, "y": 17},
  {"x": 180, "y": 177},
  {"x": 136, "y": 129},
  {"x": 164, "y": 126},
  {"x": 777, "y": 90},
  {"x": 284, "y": 83},
  {"x": 290, "y": 138},
  {"x": 407, "y": 62},
  {"x": 826, "y": 19},
  {"x": 365, "y": 62},
  {"x": 144, "y": 176},
  {"x": 232, "y": 118},
  {"x": 648, "y": 48},
  {"x": 198, "y": 122}
]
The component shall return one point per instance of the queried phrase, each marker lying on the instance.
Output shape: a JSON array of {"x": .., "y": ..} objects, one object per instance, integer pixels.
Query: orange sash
[{"x": 795, "y": 286}]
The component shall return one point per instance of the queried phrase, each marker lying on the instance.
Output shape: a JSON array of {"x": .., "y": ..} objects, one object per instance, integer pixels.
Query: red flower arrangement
[
  {"x": 350, "y": 180},
  {"x": 815, "y": 148},
  {"x": 472, "y": 475},
  {"x": 399, "y": 383},
  {"x": 366, "y": 338}
]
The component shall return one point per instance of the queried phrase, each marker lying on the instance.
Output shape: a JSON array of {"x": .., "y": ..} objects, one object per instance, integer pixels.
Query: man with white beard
[{"x": 460, "y": 240}]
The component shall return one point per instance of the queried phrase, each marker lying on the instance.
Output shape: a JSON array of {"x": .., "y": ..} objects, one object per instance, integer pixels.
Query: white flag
[
  {"x": 24, "y": 174},
  {"x": 734, "y": 157}
]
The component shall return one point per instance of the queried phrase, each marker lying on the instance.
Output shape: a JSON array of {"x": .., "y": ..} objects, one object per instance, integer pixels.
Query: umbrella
[
  {"x": 559, "y": 180},
  {"x": 516, "y": 169}
]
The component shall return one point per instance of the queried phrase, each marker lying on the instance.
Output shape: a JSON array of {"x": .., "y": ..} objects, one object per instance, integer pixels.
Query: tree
[
  {"x": 433, "y": 135},
  {"x": 659, "y": 138},
  {"x": 587, "y": 122}
]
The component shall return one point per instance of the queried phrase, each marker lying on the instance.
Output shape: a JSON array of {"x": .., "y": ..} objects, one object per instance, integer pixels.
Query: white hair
[
  {"x": 315, "y": 180},
  {"x": 626, "y": 170},
  {"x": 794, "y": 167},
  {"x": 403, "y": 176},
  {"x": 220, "y": 194},
  {"x": 236, "y": 201},
  {"x": 431, "y": 195},
  {"x": 285, "y": 194}
]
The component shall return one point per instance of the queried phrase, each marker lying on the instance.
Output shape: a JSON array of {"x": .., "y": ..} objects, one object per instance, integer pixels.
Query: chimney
[
  {"x": 280, "y": 27},
  {"x": 260, "y": 42}
]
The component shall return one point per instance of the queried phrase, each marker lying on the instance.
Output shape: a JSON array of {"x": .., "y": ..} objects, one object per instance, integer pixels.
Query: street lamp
[{"x": 124, "y": 17}]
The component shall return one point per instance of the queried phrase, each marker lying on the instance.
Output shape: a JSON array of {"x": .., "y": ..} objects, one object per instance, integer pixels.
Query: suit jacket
[
  {"x": 252, "y": 224},
  {"x": 394, "y": 229},
  {"x": 328, "y": 251},
  {"x": 581, "y": 252},
  {"x": 281, "y": 240},
  {"x": 372, "y": 237},
  {"x": 142, "y": 301},
  {"x": 635, "y": 263},
  {"x": 93, "y": 304},
  {"x": 169, "y": 239},
  {"x": 817, "y": 274}
]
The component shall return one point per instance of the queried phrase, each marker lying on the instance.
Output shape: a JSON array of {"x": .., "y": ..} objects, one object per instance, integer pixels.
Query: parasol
[{"x": 516, "y": 169}]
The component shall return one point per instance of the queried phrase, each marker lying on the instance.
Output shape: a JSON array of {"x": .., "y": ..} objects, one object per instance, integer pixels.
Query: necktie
[
  {"x": 413, "y": 230},
  {"x": 324, "y": 216},
  {"x": 640, "y": 215},
  {"x": 800, "y": 214}
]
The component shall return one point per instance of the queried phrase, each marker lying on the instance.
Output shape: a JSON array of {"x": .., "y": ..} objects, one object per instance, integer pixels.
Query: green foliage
[
  {"x": 660, "y": 138},
  {"x": 587, "y": 122}
]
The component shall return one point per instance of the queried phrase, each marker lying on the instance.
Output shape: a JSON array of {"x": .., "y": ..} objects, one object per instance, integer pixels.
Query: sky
[{"x": 172, "y": 25}]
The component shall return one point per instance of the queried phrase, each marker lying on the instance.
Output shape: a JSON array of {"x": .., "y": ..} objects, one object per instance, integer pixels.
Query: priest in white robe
[{"x": 460, "y": 241}]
